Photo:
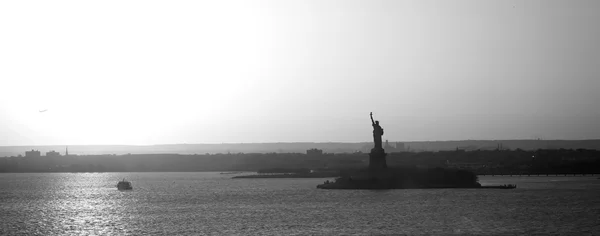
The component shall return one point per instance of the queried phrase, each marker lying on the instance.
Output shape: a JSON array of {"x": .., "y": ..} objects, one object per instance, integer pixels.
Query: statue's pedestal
[{"x": 377, "y": 159}]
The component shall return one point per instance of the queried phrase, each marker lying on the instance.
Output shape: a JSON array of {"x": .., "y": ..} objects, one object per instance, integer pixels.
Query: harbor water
[{"x": 214, "y": 204}]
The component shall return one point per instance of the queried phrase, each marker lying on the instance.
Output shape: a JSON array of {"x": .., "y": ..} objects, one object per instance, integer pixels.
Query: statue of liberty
[{"x": 377, "y": 133}]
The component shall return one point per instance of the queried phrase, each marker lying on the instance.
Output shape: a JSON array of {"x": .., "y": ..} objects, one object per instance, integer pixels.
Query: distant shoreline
[
  {"x": 301, "y": 147},
  {"x": 484, "y": 162},
  {"x": 283, "y": 176}
]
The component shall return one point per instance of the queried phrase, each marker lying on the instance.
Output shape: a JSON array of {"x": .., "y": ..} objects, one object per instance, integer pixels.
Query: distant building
[
  {"x": 33, "y": 153},
  {"x": 314, "y": 151},
  {"x": 467, "y": 166},
  {"x": 52, "y": 154},
  {"x": 399, "y": 147}
]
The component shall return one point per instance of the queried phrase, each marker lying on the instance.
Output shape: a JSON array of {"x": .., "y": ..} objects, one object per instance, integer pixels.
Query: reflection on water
[
  {"x": 58, "y": 203},
  {"x": 205, "y": 203}
]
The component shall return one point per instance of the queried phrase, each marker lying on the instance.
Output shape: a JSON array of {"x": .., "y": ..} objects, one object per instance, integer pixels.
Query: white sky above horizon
[{"x": 154, "y": 72}]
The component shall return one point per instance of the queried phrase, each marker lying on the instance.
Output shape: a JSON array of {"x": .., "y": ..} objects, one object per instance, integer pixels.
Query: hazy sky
[{"x": 150, "y": 72}]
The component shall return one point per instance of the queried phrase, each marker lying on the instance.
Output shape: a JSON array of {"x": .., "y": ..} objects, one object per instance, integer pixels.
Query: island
[
  {"x": 290, "y": 173},
  {"x": 379, "y": 176}
]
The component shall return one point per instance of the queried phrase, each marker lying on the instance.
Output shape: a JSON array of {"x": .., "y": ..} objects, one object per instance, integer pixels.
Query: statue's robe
[{"x": 377, "y": 133}]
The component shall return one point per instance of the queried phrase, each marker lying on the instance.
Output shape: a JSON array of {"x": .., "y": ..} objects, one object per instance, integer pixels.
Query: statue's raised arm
[{"x": 372, "y": 121}]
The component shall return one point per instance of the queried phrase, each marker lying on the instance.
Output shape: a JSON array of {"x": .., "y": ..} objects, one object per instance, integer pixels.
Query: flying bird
[{"x": 44, "y": 110}]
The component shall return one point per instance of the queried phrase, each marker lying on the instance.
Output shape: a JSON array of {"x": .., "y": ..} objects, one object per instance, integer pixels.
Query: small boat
[{"x": 124, "y": 185}]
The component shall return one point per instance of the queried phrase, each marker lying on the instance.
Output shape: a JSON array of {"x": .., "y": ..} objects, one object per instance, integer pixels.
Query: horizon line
[{"x": 166, "y": 144}]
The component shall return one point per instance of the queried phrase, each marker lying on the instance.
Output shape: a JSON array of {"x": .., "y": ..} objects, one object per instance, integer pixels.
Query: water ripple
[{"x": 213, "y": 204}]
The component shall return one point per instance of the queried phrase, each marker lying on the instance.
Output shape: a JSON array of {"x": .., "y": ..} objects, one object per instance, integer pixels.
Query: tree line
[{"x": 542, "y": 161}]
